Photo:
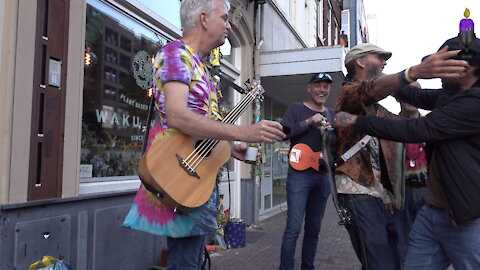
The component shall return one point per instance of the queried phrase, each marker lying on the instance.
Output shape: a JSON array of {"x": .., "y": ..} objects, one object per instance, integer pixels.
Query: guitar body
[
  {"x": 302, "y": 157},
  {"x": 180, "y": 177},
  {"x": 160, "y": 168}
]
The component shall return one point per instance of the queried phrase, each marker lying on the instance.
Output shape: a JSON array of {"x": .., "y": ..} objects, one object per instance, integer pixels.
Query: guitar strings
[
  {"x": 207, "y": 145},
  {"x": 203, "y": 144}
]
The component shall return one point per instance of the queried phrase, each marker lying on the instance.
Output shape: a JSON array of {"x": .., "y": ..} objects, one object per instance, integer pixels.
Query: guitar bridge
[{"x": 187, "y": 167}]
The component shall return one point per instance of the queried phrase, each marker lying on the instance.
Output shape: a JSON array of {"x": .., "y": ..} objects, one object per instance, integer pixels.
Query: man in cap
[
  {"x": 368, "y": 182},
  {"x": 447, "y": 228},
  {"x": 307, "y": 190}
]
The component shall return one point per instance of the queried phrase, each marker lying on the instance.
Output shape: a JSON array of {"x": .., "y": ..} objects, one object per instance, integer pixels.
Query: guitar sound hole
[{"x": 204, "y": 147}]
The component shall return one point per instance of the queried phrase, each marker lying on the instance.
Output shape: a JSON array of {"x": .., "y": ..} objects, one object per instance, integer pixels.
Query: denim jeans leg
[
  {"x": 393, "y": 235},
  {"x": 368, "y": 231},
  {"x": 297, "y": 194},
  {"x": 418, "y": 200},
  {"x": 185, "y": 253},
  {"x": 315, "y": 208},
  {"x": 424, "y": 250},
  {"x": 460, "y": 242}
]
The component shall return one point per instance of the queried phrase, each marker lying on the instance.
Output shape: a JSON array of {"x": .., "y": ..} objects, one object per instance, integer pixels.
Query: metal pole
[{"x": 258, "y": 169}]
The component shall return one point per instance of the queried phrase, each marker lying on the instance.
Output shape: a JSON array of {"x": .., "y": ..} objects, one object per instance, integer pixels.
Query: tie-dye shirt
[
  {"x": 416, "y": 156},
  {"x": 176, "y": 61}
]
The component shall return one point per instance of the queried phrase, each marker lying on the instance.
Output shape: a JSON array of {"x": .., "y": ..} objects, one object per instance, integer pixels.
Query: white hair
[{"x": 191, "y": 9}]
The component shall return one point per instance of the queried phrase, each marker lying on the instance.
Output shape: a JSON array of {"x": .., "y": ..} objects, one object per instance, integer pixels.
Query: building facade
[
  {"x": 354, "y": 22},
  {"x": 74, "y": 79}
]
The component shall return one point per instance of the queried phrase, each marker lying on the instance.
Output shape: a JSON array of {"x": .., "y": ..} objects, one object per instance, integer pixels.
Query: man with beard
[
  {"x": 307, "y": 190},
  {"x": 446, "y": 229},
  {"x": 368, "y": 181}
]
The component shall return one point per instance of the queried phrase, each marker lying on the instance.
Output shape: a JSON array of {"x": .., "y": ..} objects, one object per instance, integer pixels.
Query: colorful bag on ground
[
  {"x": 235, "y": 234},
  {"x": 50, "y": 263}
]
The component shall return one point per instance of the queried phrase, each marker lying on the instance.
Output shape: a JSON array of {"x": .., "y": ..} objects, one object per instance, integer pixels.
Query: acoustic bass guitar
[{"x": 181, "y": 170}]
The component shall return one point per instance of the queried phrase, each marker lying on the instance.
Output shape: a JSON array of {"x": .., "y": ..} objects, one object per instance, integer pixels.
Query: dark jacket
[{"x": 452, "y": 130}]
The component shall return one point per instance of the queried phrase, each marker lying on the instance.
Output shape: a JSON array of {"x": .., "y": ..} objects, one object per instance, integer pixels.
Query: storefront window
[
  {"x": 115, "y": 102},
  {"x": 226, "y": 103},
  {"x": 279, "y": 161},
  {"x": 276, "y": 154}
]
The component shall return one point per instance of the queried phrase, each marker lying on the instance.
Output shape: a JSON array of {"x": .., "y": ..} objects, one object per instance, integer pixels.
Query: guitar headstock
[{"x": 255, "y": 89}]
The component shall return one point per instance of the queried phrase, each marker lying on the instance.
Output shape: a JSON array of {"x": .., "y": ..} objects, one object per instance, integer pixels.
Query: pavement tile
[{"x": 262, "y": 251}]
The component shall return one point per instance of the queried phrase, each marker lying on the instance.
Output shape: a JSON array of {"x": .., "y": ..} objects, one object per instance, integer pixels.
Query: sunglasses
[{"x": 324, "y": 76}]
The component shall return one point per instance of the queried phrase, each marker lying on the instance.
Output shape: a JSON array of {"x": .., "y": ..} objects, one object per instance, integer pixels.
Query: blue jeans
[
  {"x": 307, "y": 194},
  {"x": 414, "y": 200},
  {"x": 185, "y": 253},
  {"x": 372, "y": 231},
  {"x": 435, "y": 242}
]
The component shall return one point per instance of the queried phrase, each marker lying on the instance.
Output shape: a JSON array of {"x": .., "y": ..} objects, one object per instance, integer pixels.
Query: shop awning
[{"x": 285, "y": 74}]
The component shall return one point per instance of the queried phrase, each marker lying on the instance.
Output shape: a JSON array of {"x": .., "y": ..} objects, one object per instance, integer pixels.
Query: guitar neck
[
  {"x": 231, "y": 117},
  {"x": 235, "y": 113}
]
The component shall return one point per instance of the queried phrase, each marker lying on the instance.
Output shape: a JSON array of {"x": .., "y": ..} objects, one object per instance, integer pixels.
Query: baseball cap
[
  {"x": 454, "y": 44},
  {"x": 363, "y": 49},
  {"x": 321, "y": 77}
]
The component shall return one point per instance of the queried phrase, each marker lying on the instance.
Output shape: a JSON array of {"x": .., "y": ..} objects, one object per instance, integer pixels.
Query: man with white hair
[{"x": 186, "y": 102}]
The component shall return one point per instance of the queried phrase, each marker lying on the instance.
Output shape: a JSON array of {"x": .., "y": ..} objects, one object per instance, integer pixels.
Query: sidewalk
[{"x": 262, "y": 251}]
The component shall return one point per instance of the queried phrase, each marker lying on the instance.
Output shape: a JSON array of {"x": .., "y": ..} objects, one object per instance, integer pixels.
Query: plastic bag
[{"x": 50, "y": 263}]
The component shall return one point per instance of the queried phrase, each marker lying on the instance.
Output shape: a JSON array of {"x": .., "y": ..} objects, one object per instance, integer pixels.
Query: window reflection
[{"x": 115, "y": 107}]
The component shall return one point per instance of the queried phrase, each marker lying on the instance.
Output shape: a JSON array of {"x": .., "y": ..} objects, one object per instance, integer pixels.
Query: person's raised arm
[
  {"x": 192, "y": 124},
  {"x": 441, "y": 124},
  {"x": 437, "y": 65}
]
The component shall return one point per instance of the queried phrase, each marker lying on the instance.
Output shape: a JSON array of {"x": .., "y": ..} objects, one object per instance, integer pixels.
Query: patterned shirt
[
  {"x": 416, "y": 168},
  {"x": 176, "y": 61},
  {"x": 346, "y": 185},
  {"x": 360, "y": 99}
]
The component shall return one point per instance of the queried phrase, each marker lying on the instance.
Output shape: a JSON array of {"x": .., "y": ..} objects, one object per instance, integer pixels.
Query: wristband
[
  {"x": 403, "y": 79},
  {"x": 408, "y": 77}
]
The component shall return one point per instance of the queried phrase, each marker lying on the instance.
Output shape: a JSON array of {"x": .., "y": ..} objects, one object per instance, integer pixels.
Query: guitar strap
[
  {"x": 341, "y": 211},
  {"x": 352, "y": 151}
]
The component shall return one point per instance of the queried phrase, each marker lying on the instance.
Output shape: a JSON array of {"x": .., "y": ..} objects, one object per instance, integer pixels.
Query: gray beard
[{"x": 374, "y": 72}]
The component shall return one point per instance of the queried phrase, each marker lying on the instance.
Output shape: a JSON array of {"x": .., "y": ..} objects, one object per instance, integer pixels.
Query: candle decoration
[{"x": 466, "y": 36}]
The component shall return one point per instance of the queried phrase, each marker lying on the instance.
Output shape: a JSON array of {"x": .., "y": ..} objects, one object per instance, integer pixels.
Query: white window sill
[{"x": 108, "y": 186}]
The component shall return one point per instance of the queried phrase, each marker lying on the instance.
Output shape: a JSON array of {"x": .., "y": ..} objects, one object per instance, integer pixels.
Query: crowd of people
[{"x": 411, "y": 191}]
